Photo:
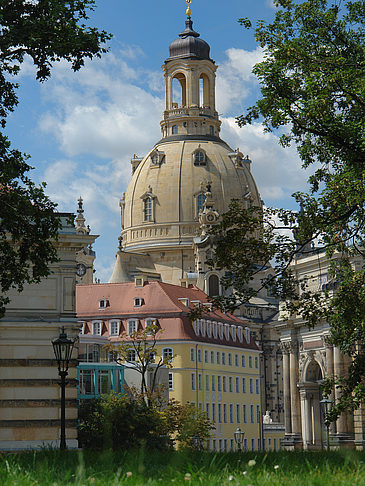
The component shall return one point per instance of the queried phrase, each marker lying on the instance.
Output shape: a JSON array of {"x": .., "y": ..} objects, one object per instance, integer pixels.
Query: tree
[
  {"x": 138, "y": 349},
  {"x": 312, "y": 84},
  {"x": 45, "y": 31}
]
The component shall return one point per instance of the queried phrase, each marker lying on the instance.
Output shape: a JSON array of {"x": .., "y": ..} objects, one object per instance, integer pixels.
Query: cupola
[{"x": 189, "y": 46}]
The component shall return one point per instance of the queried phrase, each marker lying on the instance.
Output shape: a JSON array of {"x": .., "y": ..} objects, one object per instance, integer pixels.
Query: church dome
[{"x": 189, "y": 45}]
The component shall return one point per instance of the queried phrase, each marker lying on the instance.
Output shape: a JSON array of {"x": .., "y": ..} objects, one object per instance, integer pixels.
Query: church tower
[{"x": 161, "y": 209}]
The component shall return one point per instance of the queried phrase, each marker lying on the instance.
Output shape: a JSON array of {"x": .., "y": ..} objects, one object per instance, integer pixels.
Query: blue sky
[{"x": 81, "y": 129}]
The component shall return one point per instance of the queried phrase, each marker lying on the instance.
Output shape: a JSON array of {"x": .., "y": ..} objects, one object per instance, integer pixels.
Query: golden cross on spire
[{"x": 188, "y": 11}]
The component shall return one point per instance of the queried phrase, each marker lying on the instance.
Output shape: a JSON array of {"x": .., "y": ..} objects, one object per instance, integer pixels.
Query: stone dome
[
  {"x": 189, "y": 45},
  {"x": 173, "y": 180}
]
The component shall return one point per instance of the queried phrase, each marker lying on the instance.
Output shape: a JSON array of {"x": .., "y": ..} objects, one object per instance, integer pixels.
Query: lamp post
[
  {"x": 238, "y": 437},
  {"x": 196, "y": 442},
  {"x": 62, "y": 347},
  {"x": 326, "y": 406}
]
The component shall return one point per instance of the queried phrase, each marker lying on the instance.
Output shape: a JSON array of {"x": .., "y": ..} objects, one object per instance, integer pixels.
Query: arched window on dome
[
  {"x": 179, "y": 90},
  {"x": 200, "y": 198},
  {"x": 213, "y": 286},
  {"x": 174, "y": 130},
  {"x": 199, "y": 157},
  {"x": 147, "y": 209}
]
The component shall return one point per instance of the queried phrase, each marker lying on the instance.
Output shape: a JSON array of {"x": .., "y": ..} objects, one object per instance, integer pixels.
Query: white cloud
[{"x": 235, "y": 79}]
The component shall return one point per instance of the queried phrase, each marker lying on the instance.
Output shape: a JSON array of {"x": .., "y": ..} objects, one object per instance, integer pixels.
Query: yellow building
[{"x": 214, "y": 360}]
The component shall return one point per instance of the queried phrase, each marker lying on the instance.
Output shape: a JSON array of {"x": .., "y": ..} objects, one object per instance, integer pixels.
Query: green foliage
[
  {"x": 141, "y": 467},
  {"x": 45, "y": 31},
  {"x": 312, "y": 84},
  {"x": 125, "y": 422}
]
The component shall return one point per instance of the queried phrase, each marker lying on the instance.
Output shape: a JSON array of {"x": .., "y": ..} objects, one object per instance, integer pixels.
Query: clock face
[
  {"x": 81, "y": 269},
  {"x": 210, "y": 217}
]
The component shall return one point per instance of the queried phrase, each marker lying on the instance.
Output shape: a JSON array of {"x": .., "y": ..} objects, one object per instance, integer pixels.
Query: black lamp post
[
  {"x": 238, "y": 437},
  {"x": 196, "y": 442},
  {"x": 326, "y": 406},
  {"x": 62, "y": 348}
]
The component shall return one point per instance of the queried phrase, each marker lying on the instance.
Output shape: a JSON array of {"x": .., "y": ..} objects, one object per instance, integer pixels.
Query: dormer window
[
  {"x": 196, "y": 327},
  {"x": 97, "y": 328},
  {"x": 184, "y": 301},
  {"x": 103, "y": 303},
  {"x": 234, "y": 332},
  {"x": 138, "y": 301},
  {"x": 157, "y": 158},
  {"x": 226, "y": 331},
  {"x": 199, "y": 157},
  {"x": 247, "y": 335}
]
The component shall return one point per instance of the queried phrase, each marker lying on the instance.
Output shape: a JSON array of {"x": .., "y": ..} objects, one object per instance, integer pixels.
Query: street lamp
[
  {"x": 326, "y": 407},
  {"x": 196, "y": 442},
  {"x": 62, "y": 348},
  {"x": 238, "y": 437}
]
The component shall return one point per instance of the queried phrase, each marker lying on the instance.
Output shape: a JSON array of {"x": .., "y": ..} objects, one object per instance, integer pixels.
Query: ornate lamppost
[
  {"x": 62, "y": 347},
  {"x": 238, "y": 437},
  {"x": 326, "y": 407},
  {"x": 196, "y": 442}
]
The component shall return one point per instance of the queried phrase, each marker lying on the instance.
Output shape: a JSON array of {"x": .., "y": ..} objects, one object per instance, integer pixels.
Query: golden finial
[{"x": 188, "y": 11}]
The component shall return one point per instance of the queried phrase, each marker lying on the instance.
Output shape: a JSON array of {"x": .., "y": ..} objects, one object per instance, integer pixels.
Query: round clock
[
  {"x": 210, "y": 217},
  {"x": 81, "y": 269}
]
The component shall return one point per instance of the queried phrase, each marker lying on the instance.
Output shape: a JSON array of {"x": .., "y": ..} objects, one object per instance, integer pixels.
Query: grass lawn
[{"x": 52, "y": 468}]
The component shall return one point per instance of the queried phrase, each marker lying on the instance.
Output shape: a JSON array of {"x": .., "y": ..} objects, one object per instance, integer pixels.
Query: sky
[{"x": 81, "y": 129}]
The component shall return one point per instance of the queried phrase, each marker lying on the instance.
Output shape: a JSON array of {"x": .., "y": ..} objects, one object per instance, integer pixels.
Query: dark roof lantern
[{"x": 189, "y": 45}]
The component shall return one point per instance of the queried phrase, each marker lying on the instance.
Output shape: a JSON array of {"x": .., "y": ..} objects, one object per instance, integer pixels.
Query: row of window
[
  {"x": 231, "y": 413},
  {"x": 223, "y": 444},
  {"x": 215, "y": 329},
  {"x": 222, "y": 384},
  {"x": 115, "y": 326},
  {"x": 219, "y": 357},
  {"x": 175, "y": 130}
]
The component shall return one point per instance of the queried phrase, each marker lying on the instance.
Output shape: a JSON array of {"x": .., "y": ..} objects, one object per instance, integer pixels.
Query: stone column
[
  {"x": 305, "y": 402},
  {"x": 329, "y": 367},
  {"x": 286, "y": 388},
  {"x": 294, "y": 395},
  {"x": 337, "y": 368}
]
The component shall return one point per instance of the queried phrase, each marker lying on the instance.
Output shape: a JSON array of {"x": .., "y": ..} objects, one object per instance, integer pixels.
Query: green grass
[{"x": 52, "y": 468}]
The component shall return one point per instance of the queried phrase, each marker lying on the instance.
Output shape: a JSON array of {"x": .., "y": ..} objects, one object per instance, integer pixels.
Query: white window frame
[
  {"x": 131, "y": 350},
  {"x": 138, "y": 302},
  {"x": 100, "y": 327},
  {"x": 129, "y": 324},
  {"x": 234, "y": 332},
  {"x": 247, "y": 335},
  {"x": 192, "y": 354},
  {"x": 226, "y": 331},
  {"x": 220, "y": 330},
  {"x": 111, "y": 324},
  {"x": 196, "y": 327},
  {"x": 202, "y": 327},
  {"x": 240, "y": 334},
  {"x": 169, "y": 355},
  {"x": 209, "y": 329},
  {"x": 171, "y": 380},
  {"x": 148, "y": 322},
  {"x": 214, "y": 325}
]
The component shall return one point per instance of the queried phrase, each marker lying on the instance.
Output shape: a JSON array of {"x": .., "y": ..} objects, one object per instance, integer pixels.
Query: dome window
[
  {"x": 211, "y": 130},
  {"x": 200, "y": 199},
  {"x": 199, "y": 157},
  {"x": 157, "y": 158},
  {"x": 174, "y": 130},
  {"x": 148, "y": 205}
]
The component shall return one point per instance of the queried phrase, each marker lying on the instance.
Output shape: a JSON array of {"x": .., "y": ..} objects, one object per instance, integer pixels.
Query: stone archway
[{"x": 310, "y": 407}]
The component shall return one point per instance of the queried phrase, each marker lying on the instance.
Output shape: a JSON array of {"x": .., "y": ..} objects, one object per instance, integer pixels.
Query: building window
[
  {"x": 114, "y": 328},
  {"x": 213, "y": 286},
  {"x": 238, "y": 415},
  {"x": 252, "y": 414},
  {"x": 251, "y": 385},
  {"x": 200, "y": 384},
  {"x": 225, "y": 413},
  {"x": 202, "y": 327},
  {"x": 200, "y": 199},
  {"x": 196, "y": 327},
  {"x": 219, "y": 413},
  {"x": 150, "y": 326},
  {"x": 171, "y": 381},
  {"x": 103, "y": 303},
  {"x": 234, "y": 332},
  {"x": 211, "y": 130},
  {"x": 215, "y": 330},
  {"x": 152, "y": 357},
  {"x": 206, "y": 356},
  {"x": 240, "y": 334},
  {"x": 224, "y": 380},
  {"x": 212, "y": 357},
  {"x": 243, "y": 361},
  {"x": 220, "y": 330},
  {"x": 244, "y": 414},
  {"x": 252, "y": 444},
  {"x": 213, "y": 412},
  {"x": 231, "y": 413},
  {"x": 209, "y": 329},
  {"x": 96, "y": 353},
  {"x": 174, "y": 130},
  {"x": 199, "y": 355},
  {"x": 230, "y": 384},
  {"x": 243, "y": 385},
  {"x": 167, "y": 354},
  {"x": 213, "y": 383},
  {"x": 219, "y": 383},
  {"x": 207, "y": 410},
  {"x": 207, "y": 382},
  {"x": 138, "y": 302},
  {"x": 250, "y": 361},
  {"x": 247, "y": 335},
  {"x": 132, "y": 327},
  {"x": 193, "y": 381},
  {"x": 97, "y": 328},
  {"x": 147, "y": 209},
  {"x": 258, "y": 414},
  {"x": 256, "y": 362},
  {"x": 192, "y": 354},
  {"x": 230, "y": 359},
  {"x": 223, "y": 358},
  {"x": 257, "y": 386},
  {"x": 245, "y": 444},
  {"x": 218, "y": 357},
  {"x": 236, "y": 360},
  {"x": 132, "y": 356},
  {"x": 237, "y": 384},
  {"x": 199, "y": 157},
  {"x": 226, "y": 331}
]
